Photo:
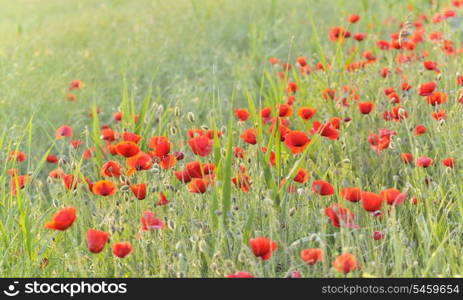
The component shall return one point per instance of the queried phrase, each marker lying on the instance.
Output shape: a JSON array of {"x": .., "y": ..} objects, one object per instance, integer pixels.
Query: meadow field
[{"x": 216, "y": 138}]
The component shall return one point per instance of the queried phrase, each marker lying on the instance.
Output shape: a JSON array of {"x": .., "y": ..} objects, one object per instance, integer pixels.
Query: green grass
[{"x": 165, "y": 60}]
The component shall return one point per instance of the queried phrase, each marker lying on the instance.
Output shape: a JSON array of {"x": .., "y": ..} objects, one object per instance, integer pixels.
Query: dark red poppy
[
  {"x": 302, "y": 176},
  {"x": 420, "y": 129},
  {"x": 63, "y": 132},
  {"x": 427, "y": 89},
  {"x": 407, "y": 158},
  {"x": 449, "y": 162},
  {"x": 424, "y": 162},
  {"x": 393, "y": 196},
  {"x": 162, "y": 199}
]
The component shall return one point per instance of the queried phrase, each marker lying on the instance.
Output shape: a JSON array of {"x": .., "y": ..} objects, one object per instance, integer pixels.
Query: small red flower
[
  {"x": 139, "y": 190},
  {"x": 149, "y": 221},
  {"x": 63, "y": 219},
  {"x": 345, "y": 263},
  {"x": 449, "y": 162},
  {"x": 371, "y": 202},
  {"x": 104, "y": 188},
  {"x": 353, "y": 18},
  {"x": 122, "y": 249},
  {"x": 297, "y": 141},
  {"x": 424, "y": 162},
  {"x": 63, "y": 132},
  {"x": 241, "y": 274},
  {"x": 312, "y": 256},
  {"x": 111, "y": 169},
  {"x": 341, "y": 216},
  {"x": 427, "y": 89},
  {"x": 302, "y": 176},
  {"x": 352, "y": 194},
  {"x": 127, "y": 149},
  {"x": 262, "y": 247},
  {"x": 322, "y": 188},
  {"x": 249, "y": 136},
  {"x": 96, "y": 240},
  {"x": 365, "y": 107},
  {"x": 306, "y": 113},
  {"x": 242, "y": 114},
  {"x": 201, "y": 145}
]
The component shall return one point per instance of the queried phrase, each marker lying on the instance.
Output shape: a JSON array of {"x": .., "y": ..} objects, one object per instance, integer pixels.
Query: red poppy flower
[
  {"x": 249, "y": 136},
  {"x": 352, "y": 194},
  {"x": 328, "y": 94},
  {"x": 70, "y": 181},
  {"x": 407, "y": 158},
  {"x": 263, "y": 247},
  {"x": 345, "y": 263},
  {"x": 377, "y": 235},
  {"x": 338, "y": 34},
  {"x": 139, "y": 190},
  {"x": 63, "y": 132},
  {"x": 131, "y": 137},
  {"x": 201, "y": 145},
  {"x": 285, "y": 110},
  {"x": 111, "y": 169},
  {"x": 242, "y": 114},
  {"x": 424, "y": 162},
  {"x": 306, "y": 113},
  {"x": 52, "y": 159},
  {"x": 322, "y": 188},
  {"x": 104, "y": 188},
  {"x": 341, "y": 216},
  {"x": 242, "y": 181},
  {"x": 63, "y": 219},
  {"x": 122, "y": 249},
  {"x": 118, "y": 116},
  {"x": 353, "y": 18},
  {"x": 76, "y": 143},
  {"x": 371, "y": 202},
  {"x": 297, "y": 141},
  {"x": 162, "y": 199},
  {"x": 327, "y": 130},
  {"x": 266, "y": 114},
  {"x": 17, "y": 156},
  {"x": 360, "y": 36},
  {"x": 383, "y": 45},
  {"x": 76, "y": 85},
  {"x": 302, "y": 176},
  {"x": 149, "y": 221},
  {"x": 292, "y": 87},
  {"x": 393, "y": 196},
  {"x": 127, "y": 149},
  {"x": 140, "y": 161},
  {"x": 365, "y": 107},
  {"x": 198, "y": 185},
  {"x": 420, "y": 129},
  {"x": 439, "y": 116},
  {"x": 427, "y": 89},
  {"x": 449, "y": 162},
  {"x": 431, "y": 66},
  {"x": 312, "y": 256},
  {"x": 96, "y": 240},
  {"x": 241, "y": 274},
  {"x": 160, "y": 146},
  {"x": 436, "y": 98}
]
